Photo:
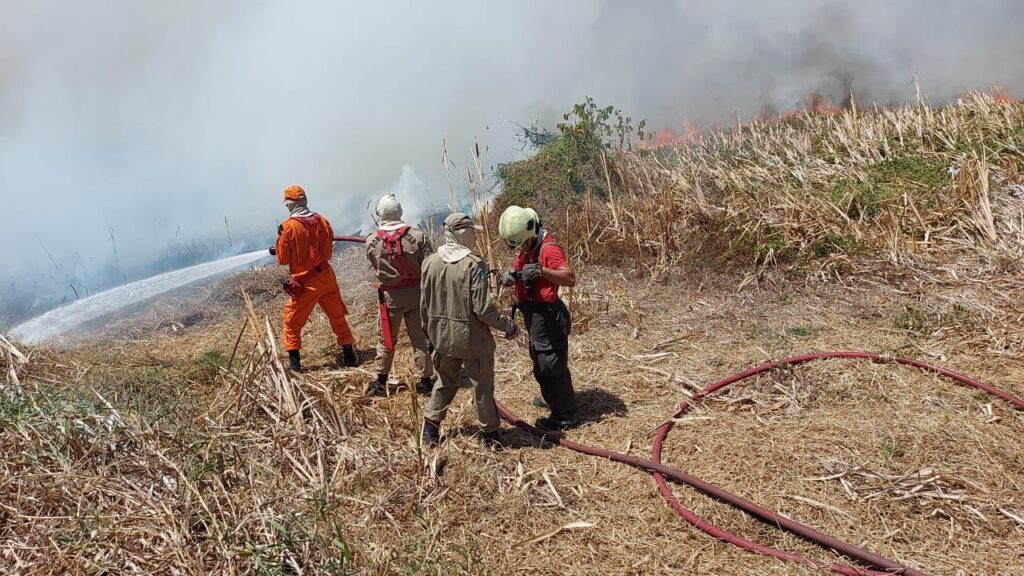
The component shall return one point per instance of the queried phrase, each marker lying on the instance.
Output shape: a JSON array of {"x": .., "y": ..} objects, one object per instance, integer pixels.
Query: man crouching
[{"x": 459, "y": 314}]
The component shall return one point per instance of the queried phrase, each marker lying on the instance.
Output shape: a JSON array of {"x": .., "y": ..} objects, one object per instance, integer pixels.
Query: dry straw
[
  {"x": 171, "y": 445},
  {"x": 907, "y": 180}
]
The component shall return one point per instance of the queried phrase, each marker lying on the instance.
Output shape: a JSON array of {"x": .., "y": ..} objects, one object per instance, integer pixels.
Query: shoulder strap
[
  {"x": 315, "y": 230},
  {"x": 539, "y": 250},
  {"x": 393, "y": 246},
  {"x": 542, "y": 247}
]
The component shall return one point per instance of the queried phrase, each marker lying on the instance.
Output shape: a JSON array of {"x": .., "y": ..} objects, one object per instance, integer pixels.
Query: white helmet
[
  {"x": 518, "y": 225},
  {"x": 388, "y": 207}
]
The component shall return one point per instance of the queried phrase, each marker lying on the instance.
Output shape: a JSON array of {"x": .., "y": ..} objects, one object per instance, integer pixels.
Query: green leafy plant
[
  {"x": 592, "y": 129},
  {"x": 891, "y": 450},
  {"x": 568, "y": 160}
]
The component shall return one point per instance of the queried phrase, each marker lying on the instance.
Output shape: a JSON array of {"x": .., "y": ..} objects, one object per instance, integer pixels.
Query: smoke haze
[{"x": 160, "y": 119}]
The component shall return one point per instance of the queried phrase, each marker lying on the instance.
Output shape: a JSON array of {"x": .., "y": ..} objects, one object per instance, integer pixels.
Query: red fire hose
[
  {"x": 880, "y": 565},
  {"x": 356, "y": 239}
]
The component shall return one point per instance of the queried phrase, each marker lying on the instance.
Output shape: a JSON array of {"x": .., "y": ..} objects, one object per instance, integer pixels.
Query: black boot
[
  {"x": 431, "y": 433},
  {"x": 491, "y": 440},
  {"x": 425, "y": 387},
  {"x": 348, "y": 356},
  {"x": 294, "y": 361},
  {"x": 379, "y": 387},
  {"x": 556, "y": 423}
]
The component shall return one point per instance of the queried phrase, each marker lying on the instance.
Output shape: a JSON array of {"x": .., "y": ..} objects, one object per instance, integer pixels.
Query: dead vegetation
[
  {"x": 250, "y": 470},
  {"x": 899, "y": 185},
  {"x": 166, "y": 446}
]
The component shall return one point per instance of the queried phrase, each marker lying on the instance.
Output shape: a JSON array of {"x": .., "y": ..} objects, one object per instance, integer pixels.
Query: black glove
[
  {"x": 513, "y": 331},
  {"x": 280, "y": 229},
  {"x": 509, "y": 278},
  {"x": 531, "y": 272},
  {"x": 273, "y": 251}
]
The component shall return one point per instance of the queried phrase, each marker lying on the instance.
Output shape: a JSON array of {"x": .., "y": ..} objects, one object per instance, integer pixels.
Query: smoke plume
[{"x": 158, "y": 120}]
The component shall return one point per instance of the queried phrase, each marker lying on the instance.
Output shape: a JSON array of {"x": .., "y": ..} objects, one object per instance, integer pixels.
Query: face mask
[{"x": 466, "y": 237}]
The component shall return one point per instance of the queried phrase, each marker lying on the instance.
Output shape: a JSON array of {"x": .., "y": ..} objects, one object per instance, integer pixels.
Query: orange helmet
[{"x": 295, "y": 193}]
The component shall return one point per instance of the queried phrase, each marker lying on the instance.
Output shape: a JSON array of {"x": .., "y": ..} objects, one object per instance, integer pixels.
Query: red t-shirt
[{"x": 552, "y": 257}]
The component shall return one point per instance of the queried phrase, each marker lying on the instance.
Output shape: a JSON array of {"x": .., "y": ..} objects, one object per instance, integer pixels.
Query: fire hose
[
  {"x": 350, "y": 238},
  {"x": 353, "y": 238},
  {"x": 879, "y": 564}
]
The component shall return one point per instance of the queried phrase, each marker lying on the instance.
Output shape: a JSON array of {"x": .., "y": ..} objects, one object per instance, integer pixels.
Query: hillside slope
[
  {"x": 812, "y": 191},
  {"x": 172, "y": 443}
]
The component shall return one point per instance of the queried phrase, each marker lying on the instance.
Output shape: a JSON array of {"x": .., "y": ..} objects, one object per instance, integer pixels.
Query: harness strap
[
  {"x": 393, "y": 246},
  {"x": 301, "y": 279},
  {"x": 407, "y": 283},
  {"x": 535, "y": 255},
  {"x": 315, "y": 232}
]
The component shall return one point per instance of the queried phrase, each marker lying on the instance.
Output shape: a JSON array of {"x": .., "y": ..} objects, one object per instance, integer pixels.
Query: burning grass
[{"x": 909, "y": 184}]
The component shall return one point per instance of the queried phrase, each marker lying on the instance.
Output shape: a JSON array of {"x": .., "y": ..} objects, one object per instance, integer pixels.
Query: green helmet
[{"x": 518, "y": 225}]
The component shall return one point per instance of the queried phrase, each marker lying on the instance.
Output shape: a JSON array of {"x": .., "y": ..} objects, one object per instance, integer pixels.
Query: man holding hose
[{"x": 305, "y": 243}]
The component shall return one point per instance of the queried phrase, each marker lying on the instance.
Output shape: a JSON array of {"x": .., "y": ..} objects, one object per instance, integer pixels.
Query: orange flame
[
  {"x": 814, "y": 104},
  {"x": 688, "y": 134}
]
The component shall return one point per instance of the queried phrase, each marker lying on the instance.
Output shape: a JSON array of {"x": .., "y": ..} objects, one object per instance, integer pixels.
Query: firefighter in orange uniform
[{"x": 305, "y": 244}]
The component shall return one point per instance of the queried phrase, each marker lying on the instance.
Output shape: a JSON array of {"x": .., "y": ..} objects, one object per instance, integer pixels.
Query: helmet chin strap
[{"x": 541, "y": 234}]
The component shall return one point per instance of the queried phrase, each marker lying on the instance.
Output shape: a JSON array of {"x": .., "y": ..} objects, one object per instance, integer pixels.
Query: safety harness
[
  {"x": 393, "y": 247},
  {"x": 532, "y": 258},
  {"x": 392, "y": 240},
  {"x": 317, "y": 235}
]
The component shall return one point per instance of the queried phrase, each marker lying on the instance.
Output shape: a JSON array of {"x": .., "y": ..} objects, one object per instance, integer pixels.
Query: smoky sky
[{"x": 160, "y": 119}]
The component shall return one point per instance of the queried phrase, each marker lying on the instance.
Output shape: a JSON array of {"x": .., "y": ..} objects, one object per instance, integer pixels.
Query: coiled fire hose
[{"x": 879, "y": 564}]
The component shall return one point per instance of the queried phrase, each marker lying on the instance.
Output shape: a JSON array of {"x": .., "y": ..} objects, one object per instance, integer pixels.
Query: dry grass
[
  {"x": 174, "y": 442},
  {"x": 892, "y": 457},
  {"x": 902, "y": 183},
  {"x": 251, "y": 470}
]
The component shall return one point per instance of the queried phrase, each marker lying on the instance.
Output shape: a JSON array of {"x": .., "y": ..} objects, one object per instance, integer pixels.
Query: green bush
[{"x": 568, "y": 162}]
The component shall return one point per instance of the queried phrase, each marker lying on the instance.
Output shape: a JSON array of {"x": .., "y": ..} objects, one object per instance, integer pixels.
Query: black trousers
[
  {"x": 551, "y": 369},
  {"x": 549, "y": 326}
]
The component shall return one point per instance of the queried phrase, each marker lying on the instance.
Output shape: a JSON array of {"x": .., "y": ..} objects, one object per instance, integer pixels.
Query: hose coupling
[{"x": 885, "y": 358}]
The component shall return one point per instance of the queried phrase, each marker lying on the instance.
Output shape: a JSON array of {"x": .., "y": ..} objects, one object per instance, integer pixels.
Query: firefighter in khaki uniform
[
  {"x": 540, "y": 268},
  {"x": 305, "y": 243},
  {"x": 457, "y": 306},
  {"x": 396, "y": 253}
]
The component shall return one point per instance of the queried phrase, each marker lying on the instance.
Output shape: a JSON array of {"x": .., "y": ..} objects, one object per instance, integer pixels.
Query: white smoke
[
  {"x": 160, "y": 119},
  {"x": 418, "y": 201}
]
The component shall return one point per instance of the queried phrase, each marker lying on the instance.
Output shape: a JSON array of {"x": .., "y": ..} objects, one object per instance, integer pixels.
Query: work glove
[
  {"x": 508, "y": 278},
  {"x": 273, "y": 251},
  {"x": 513, "y": 331},
  {"x": 531, "y": 272}
]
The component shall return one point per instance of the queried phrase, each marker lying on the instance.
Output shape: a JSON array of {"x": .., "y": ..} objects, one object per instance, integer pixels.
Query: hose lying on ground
[{"x": 880, "y": 565}]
